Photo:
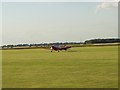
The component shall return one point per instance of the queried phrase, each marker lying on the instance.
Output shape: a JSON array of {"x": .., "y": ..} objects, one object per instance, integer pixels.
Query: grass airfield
[{"x": 79, "y": 67}]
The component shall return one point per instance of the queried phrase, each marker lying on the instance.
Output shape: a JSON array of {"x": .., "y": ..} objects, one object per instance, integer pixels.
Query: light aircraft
[{"x": 57, "y": 48}]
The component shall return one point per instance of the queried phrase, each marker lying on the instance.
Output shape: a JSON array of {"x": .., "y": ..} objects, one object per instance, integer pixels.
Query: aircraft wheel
[{"x": 51, "y": 51}]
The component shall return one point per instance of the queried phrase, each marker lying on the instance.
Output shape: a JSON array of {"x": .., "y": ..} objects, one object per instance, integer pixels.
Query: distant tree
[{"x": 94, "y": 41}]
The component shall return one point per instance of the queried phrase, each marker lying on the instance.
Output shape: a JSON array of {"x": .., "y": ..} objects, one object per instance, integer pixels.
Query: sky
[{"x": 39, "y": 22}]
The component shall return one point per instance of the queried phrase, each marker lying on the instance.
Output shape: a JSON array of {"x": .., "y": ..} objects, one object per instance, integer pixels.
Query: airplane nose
[{"x": 51, "y": 48}]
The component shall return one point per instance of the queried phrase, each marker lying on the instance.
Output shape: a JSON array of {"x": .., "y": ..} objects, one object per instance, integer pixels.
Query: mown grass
[{"x": 80, "y": 67}]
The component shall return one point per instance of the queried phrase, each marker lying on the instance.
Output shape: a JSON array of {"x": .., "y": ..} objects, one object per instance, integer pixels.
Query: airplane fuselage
[{"x": 59, "y": 48}]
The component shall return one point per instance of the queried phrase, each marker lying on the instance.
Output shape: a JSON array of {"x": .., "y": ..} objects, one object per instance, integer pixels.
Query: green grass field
[{"x": 79, "y": 67}]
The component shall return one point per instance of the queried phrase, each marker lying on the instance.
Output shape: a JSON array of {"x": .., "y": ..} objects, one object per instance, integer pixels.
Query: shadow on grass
[{"x": 73, "y": 51}]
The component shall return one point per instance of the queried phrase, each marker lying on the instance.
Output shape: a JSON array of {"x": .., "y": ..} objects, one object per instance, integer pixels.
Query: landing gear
[{"x": 51, "y": 51}]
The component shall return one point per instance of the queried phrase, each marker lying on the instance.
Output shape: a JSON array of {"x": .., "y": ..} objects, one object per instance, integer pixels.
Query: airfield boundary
[{"x": 73, "y": 45}]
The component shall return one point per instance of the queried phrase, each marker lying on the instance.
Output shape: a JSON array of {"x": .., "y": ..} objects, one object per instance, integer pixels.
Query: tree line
[
  {"x": 97, "y": 41},
  {"x": 92, "y": 41},
  {"x": 41, "y": 44}
]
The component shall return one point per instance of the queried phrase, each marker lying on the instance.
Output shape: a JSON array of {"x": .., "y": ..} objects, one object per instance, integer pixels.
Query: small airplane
[{"x": 57, "y": 48}]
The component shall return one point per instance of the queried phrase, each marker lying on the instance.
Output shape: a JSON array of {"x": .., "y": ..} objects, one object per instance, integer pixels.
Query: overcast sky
[{"x": 37, "y": 22}]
